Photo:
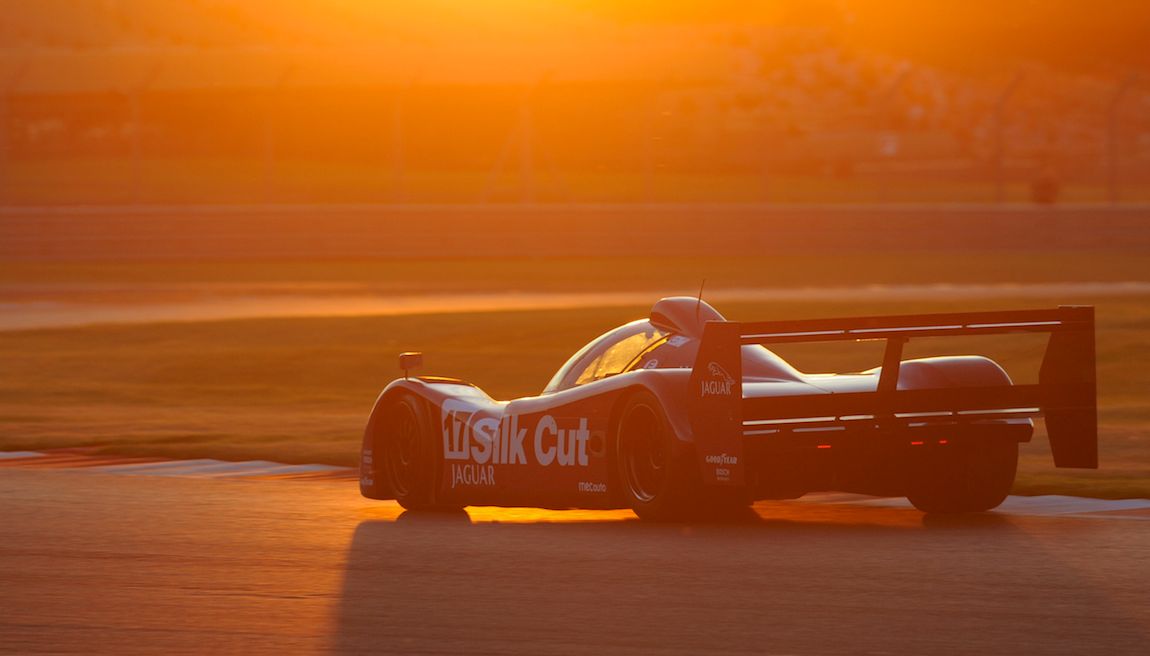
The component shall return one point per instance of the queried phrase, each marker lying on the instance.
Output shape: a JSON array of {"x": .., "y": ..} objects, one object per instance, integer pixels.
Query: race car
[{"x": 684, "y": 412}]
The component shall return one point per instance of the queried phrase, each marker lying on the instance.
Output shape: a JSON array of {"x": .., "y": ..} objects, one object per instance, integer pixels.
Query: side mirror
[{"x": 410, "y": 361}]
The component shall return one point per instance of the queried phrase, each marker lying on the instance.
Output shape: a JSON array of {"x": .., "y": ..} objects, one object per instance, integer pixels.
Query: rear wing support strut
[{"x": 891, "y": 361}]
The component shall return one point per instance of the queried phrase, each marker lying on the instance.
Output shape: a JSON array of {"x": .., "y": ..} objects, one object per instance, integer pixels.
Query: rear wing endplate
[{"x": 1065, "y": 393}]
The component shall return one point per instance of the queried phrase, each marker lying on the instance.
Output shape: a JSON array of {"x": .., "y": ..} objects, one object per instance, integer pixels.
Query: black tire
[
  {"x": 657, "y": 481},
  {"x": 407, "y": 454},
  {"x": 971, "y": 475}
]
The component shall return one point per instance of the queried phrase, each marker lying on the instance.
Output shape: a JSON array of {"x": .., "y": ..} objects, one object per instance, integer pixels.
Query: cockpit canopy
[
  {"x": 683, "y": 315},
  {"x": 668, "y": 339}
]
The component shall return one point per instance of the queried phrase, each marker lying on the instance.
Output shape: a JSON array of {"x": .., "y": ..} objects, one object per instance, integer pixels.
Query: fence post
[
  {"x": 6, "y": 122},
  {"x": 271, "y": 135},
  {"x": 651, "y": 115},
  {"x": 999, "y": 138},
  {"x": 398, "y": 144},
  {"x": 5, "y": 130},
  {"x": 647, "y": 154},
  {"x": 884, "y": 108},
  {"x": 5, "y": 101},
  {"x": 527, "y": 149},
  {"x": 136, "y": 146},
  {"x": 520, "y": 139},
  {"x": 135, "y": 100},
  {"x": 1113, "y": 156}
]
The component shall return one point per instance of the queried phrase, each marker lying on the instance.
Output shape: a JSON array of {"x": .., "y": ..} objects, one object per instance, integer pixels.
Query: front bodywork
[{"x": 548, "y": 451}]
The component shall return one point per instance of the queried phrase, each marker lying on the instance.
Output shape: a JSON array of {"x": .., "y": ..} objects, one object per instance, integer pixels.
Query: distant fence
[
  {"x": 485, "y": 231},
  {"x": 144, "y": 131}
]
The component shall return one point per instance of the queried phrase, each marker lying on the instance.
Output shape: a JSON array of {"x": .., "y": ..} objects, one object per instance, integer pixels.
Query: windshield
[
  {"x": 607, "y": 355},
  {"x": 639, "y": 345}
]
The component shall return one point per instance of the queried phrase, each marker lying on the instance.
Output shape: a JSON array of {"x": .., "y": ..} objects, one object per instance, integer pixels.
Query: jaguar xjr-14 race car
[{"x": 684, "y": 412}]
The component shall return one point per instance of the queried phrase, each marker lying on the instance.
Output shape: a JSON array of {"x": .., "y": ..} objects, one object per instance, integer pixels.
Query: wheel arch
[
  {"x": 951, "y": 371},
  {"x": 372, "y": 484},
  {"x": 673, "y": 405},
  {"x": 613, "y": 419},
  {"x": 671, "y": 394},
  {"x": 958, "y": 371}
]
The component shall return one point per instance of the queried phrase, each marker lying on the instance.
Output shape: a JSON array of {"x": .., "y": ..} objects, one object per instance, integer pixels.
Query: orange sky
[{"x": 958, "y": 32}]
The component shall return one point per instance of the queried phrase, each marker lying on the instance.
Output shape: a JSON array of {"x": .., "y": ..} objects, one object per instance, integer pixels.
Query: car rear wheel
[
  {"x": 656, "y": 481},
  {"x": 972, "y": 475},
  {"x": 408, "y": 460}
]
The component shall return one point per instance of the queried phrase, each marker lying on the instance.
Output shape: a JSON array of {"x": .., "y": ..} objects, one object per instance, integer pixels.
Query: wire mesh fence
[{"x": 218, "y": 126}]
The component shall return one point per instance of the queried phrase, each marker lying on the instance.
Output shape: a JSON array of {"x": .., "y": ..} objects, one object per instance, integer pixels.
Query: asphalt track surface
[{"x": 97, "y": 562}]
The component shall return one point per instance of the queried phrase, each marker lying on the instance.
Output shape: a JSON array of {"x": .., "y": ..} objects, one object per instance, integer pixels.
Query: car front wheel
[{"x": 408, "y": 461}]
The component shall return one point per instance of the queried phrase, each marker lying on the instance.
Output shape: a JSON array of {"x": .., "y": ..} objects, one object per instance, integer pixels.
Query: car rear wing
[{"x": 1065, "y": 393}]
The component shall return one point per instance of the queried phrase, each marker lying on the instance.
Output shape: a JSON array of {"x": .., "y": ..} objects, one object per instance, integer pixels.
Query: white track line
[
  {"x": 5, "y": 455},
  {"x": 1043, "y": 505},
  {"x": 28, "y": 315},
  {"x": 1037, "y": 506},
  {"x": 198, "y": 468}
]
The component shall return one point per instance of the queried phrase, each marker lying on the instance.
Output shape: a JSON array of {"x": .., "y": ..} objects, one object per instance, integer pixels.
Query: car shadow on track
[{"x": 787, "y": 577}]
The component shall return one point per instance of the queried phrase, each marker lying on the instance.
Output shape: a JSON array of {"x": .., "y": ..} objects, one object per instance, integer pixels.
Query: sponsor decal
[
  {"x": 677, "y": 340},
  {"x": 653, "y": 363},
  {"x": 721, "y": 462},
  {"x": 366, "y": 471},
  {"x": 473, "y": 445},
  {"x": 472, "y": 474},
  {"x": 592, "y": 488},
  {"x": 718, "y": 383},
  {"x": 722, "y": 459}
]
